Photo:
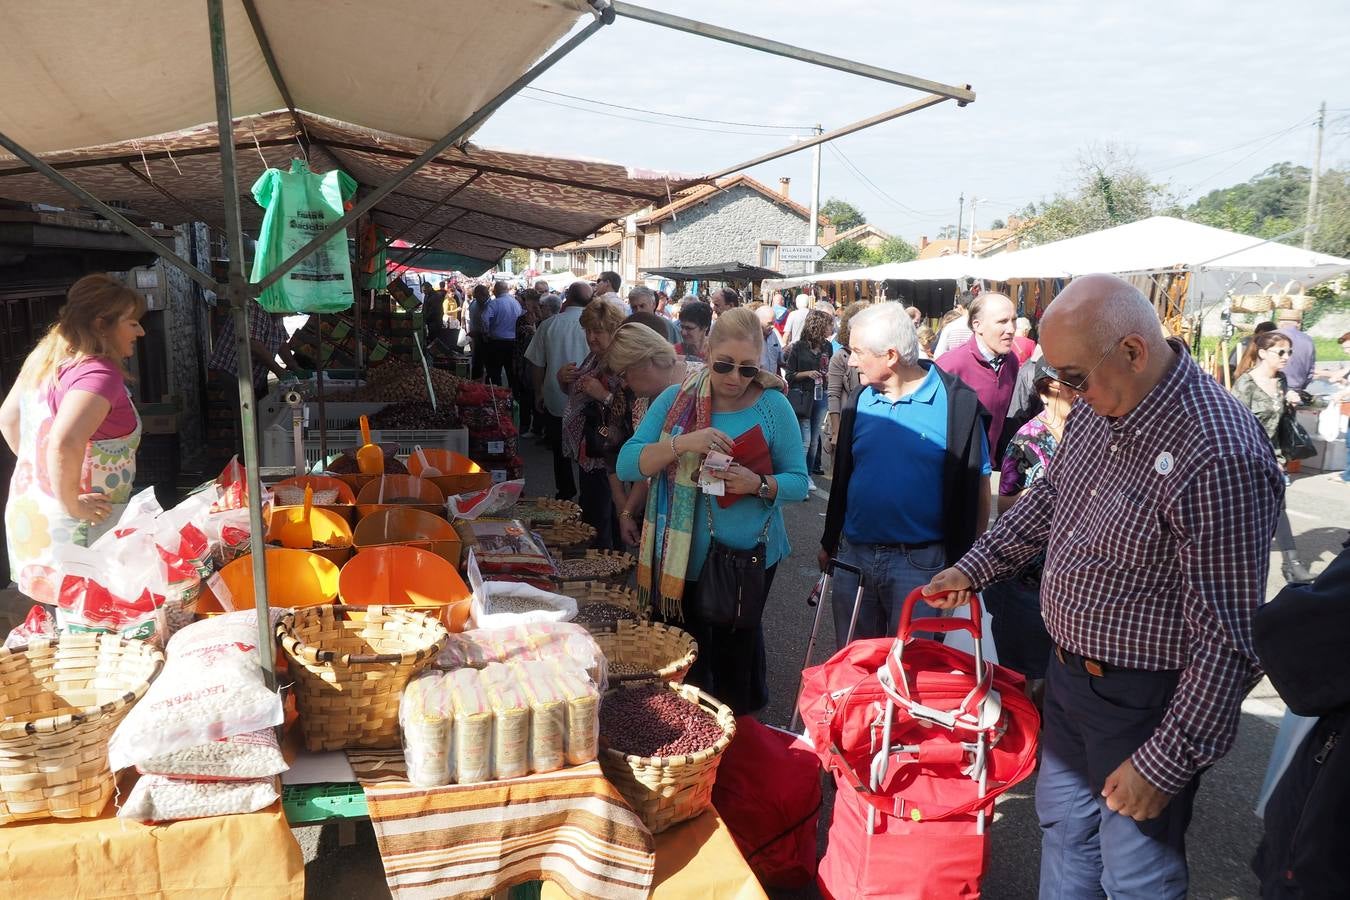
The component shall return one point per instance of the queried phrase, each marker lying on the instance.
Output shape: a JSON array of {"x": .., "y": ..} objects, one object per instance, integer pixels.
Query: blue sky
[{"x": 1204, "y": 94}]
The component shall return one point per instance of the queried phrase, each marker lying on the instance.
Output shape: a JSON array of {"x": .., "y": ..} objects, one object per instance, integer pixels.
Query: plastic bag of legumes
[{"x": 211, "y": 688}]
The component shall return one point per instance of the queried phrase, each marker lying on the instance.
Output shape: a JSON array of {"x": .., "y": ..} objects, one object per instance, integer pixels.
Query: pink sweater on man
[{"x": 993, "y": 386}]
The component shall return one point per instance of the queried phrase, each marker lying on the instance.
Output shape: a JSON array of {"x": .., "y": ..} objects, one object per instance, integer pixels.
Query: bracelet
[
  {"x": 625, "y": 514},
  {"x": 673, "y": 449}
]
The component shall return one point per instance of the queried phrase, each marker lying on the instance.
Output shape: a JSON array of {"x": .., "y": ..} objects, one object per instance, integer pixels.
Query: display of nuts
[{"x": 654, "y": 721}]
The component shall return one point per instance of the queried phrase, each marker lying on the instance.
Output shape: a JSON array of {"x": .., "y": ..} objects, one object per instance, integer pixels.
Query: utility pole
[
  {"x": 811, "y": 237},
  {"x": 1311, "y": 222},
  {"x": 960, "y": 220},
  {"x": 970, "y": 244}
]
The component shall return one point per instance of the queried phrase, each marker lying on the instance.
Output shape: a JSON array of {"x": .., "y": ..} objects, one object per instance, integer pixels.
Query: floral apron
[{"x": 35, "y": 521}]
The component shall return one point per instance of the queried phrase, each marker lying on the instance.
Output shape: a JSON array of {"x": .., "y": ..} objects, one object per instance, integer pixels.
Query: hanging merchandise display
[
  {"x": 374, "y": 274},
  {"x": 299, "y": 205}
]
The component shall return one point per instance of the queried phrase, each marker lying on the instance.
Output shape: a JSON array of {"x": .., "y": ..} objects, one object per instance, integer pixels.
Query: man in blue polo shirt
[{"x": 911, "y": 487}]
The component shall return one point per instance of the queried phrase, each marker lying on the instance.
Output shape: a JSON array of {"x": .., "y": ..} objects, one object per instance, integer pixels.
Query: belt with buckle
[
  {"x": 1091, "y": 666},
  {"x": 924, "y": 545}
]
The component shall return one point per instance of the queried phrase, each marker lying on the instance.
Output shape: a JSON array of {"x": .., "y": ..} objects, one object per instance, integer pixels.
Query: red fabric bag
[
  {"x": 772, "y": 819},
  {"x": 925, "y": 842}
]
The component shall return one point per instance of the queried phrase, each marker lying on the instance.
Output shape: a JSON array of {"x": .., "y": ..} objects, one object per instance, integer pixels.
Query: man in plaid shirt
[{"x": 1156, "y": 517}]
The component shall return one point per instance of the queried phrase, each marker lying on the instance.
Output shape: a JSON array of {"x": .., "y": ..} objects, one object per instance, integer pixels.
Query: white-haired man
[
  {"x": 1155, "y": 519},
  {"x": 901, "y": 528}
]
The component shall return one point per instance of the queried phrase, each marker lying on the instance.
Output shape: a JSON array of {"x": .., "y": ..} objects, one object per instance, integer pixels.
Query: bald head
[{"x": 1102, "y": 334}]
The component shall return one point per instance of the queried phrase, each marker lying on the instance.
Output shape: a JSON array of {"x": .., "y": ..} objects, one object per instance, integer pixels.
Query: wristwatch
[{"x": 763, "y": 491}]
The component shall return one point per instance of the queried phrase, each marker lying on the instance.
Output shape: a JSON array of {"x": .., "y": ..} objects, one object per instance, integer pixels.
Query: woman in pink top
[{"x": 70, "y": 421}]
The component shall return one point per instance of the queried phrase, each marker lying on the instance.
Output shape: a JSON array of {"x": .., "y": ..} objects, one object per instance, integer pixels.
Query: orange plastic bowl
[
  {"x": 346, "y": 500},
  {"x": 400, "y": 491},
  {"x": 407, "y": 577},
  {"x": 409, "y": 528},
  {"x": 459, "y": 474},
  {"x": 295, "y": 578},
  {"x": 328, "y": 528}
]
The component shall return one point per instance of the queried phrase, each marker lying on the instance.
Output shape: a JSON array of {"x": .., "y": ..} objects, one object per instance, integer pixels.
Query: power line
[
  {"x": 878, "y": 191},
  {"x": 1276, "y": 134},
  {"x": 653, "y": 112},
  {"x": 1235, "y": 164},
  {"x": 598, "y": 112}
]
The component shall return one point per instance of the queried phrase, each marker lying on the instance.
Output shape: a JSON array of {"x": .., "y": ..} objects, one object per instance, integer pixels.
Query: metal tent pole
[
  {"x": 238, "y": 294},
  {"x": 754, "y": 42},
  {"x": 459, "y": 131}
]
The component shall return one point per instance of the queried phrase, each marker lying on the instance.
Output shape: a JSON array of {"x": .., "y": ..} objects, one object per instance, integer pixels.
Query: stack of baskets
[
  {"x": 571, "y": 537},
  {"x": 643, "y": 650},
  {"x": 665, "y": 791},
  {"x": 61, "y": 700},
  {"x": 350, "y": 675}
]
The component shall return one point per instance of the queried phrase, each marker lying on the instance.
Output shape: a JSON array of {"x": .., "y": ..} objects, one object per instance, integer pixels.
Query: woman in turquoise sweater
[{"x": 730, "y": 407}]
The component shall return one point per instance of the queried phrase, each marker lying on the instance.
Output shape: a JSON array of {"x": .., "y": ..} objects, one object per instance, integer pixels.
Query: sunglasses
[
  {"x": 722, "y": 367},
  {"x": 1282, "y": 353},
  {"x": 1081, "y": 385}
]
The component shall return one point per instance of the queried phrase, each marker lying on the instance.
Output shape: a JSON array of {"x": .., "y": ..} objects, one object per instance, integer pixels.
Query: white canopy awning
[
  {"x": 936, "y": 268},
  {"x": 79, "y": 74},
  {"x": 1219, "y": 261}
]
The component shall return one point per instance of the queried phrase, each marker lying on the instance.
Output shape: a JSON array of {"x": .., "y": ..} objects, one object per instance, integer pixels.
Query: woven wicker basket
[
  {"x": 1300, "y": 302},
  {"x": 350, "y": 676},
  {"x": 1253, "y": 303},
  {"x": 610, "y": 566},
  {"x": 61, "y": 700},
  {"x": 556, "y": 512},
  {"x": 588, "y": 592},
  {"x": 565, "y": 538},
  {"x": 650, "y": 647},
  {"x": 670, "y": 790}
]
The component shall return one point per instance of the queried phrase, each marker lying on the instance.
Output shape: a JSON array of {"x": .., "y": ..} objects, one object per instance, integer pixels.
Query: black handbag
[
  {"x": 803, "y": 400},
  {"x": 733, "y": 586},
  {"x": 595, "y": 429},
  {"x": 1295, "y": 442}
]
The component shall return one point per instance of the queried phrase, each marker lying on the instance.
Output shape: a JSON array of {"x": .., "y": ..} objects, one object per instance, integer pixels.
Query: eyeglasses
[
  {"x": 722, "y": 367},
  {"x": 1082, "y": 385}
]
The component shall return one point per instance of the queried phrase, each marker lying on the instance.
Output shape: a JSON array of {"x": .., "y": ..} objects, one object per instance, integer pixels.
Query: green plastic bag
[{"x": 299, "y": 205}]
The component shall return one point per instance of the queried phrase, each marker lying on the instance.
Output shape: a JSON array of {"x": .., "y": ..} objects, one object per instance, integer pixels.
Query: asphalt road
[{"x": 1223, "y": 833}]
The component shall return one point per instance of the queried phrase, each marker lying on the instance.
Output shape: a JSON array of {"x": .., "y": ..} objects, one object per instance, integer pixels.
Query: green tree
[
  {"x": 946, "y": 233},
  {"x": 842, "y": 214},
  {"x": 1275, "y": 202},
  {"x": 1108, "y": 190},
  {"x": 848, "y": 251},
  {"x": 891, "y": 250},
  {"x": 520, "y": 259},
  {"x": 997, "y": 224}
]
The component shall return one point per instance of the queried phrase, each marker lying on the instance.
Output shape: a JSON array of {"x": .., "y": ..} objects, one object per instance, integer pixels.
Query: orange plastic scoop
[
  {"x": 369, "y": 458},
  {"x": 299, "y": 534}
]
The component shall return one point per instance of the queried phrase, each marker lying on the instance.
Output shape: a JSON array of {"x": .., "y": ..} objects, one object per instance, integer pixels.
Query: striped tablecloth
[{"x": 570, "y": 827}]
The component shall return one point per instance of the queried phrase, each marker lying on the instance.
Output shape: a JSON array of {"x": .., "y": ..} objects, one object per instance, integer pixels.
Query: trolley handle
[{"x": 909, "y": 624}]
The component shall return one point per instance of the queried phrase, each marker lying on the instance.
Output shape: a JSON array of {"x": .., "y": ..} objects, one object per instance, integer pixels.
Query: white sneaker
[{"x": 811, "y": 485}]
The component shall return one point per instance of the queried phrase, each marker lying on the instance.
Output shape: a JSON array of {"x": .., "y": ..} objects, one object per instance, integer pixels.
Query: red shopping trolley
[{"x": 921, "y": 738}]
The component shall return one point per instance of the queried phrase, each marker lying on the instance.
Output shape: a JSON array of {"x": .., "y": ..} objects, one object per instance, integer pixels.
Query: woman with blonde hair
[
  {"x": 646, "y": 365},
  {"x": 690, "y": 539},
  {"x": 70, "y": 421}
]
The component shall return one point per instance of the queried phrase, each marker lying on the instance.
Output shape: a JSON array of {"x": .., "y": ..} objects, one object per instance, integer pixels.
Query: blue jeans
[
  {"x": 889, "y": 573},
  {"x": 1019, "y": 629},
  {"x": 811, "y": 434},
  {"x": 1092, "y": 725}
]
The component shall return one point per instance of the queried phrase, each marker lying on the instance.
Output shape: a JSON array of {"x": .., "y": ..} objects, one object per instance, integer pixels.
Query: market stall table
[{"x": 251, "y": 855}]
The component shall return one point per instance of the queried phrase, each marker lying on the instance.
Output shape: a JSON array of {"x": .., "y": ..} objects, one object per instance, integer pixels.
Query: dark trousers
[
  {"x": 497, "y": 361},
  {"x": 597, "y": 509},
  {"x": 731, "y": 663},
  {"x": 530, "y": 419},
  {"x": 564, "y": 482},
  {"x": 477, "y": 355},
  {"x": 1019, "y": 630},
  {"x": 1093, "y": 724}
]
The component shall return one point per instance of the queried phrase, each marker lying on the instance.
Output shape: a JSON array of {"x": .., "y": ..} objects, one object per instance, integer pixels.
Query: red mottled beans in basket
[{"x": 654, "y": 721}]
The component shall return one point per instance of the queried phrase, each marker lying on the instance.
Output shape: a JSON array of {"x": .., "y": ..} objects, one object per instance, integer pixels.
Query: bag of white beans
[
  {"x": 241, "y": 757},
  {"x": 159, "y": 799},
  {"x": 211, "y": 688}
]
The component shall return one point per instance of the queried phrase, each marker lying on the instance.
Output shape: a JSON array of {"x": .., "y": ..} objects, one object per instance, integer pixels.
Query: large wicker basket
[
  {"x": 61, "y": 700},
  {"x": 665, "y": 791},
  {"x": 588, "y": 593},
  {"x": 561, "y": 539},
  {"x": 641, "y": 650},
  {"x": 350, "y": 675},
  {"x": 1252, "y": 303},
  {"x": 611, "y": 566}
]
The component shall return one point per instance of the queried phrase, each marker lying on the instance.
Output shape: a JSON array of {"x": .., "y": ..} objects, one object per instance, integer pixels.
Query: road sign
[{"x": 801, "y": 253}]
